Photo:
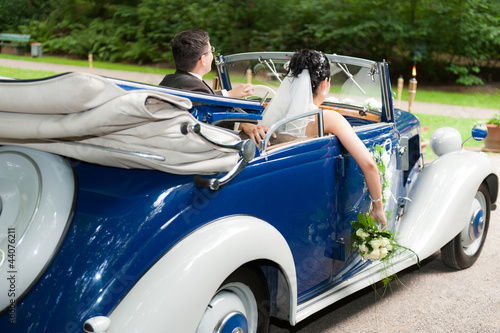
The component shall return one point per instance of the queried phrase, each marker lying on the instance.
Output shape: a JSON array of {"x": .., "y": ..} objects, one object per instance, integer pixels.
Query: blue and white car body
[{"x": 107, "y": 249}]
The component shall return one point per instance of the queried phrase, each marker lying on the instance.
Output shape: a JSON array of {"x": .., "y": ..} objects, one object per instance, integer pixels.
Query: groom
[{"x": 193, "y": 56}]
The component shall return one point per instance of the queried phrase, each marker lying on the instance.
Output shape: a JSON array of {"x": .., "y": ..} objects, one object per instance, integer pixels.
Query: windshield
[
  {"x": 355, "y": 83},
  {"x": 355, "y": 86}
]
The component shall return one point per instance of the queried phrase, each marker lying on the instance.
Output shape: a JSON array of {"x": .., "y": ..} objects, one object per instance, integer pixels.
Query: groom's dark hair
[{"x": 187, "y": 48}]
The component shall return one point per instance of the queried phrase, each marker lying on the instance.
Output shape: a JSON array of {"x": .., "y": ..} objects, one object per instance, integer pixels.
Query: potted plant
[{"x": 492, "y": 140}]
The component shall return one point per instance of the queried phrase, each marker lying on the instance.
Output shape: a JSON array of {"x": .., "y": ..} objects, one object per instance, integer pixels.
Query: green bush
[
  {"x": 464, "y": 74},
  {"x": 452, "y": 41},
  {"x": 495, "y": 120}
]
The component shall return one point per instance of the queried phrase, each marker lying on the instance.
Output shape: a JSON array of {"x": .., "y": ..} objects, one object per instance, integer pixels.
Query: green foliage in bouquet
[{"x": 372, "y": 243}]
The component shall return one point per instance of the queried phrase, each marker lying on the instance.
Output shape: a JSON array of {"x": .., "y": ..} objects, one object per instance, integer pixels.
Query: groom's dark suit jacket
[{"x": 184, "y": 80}]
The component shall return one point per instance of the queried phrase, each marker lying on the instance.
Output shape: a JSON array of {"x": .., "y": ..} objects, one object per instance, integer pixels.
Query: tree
[
  {"x": 14, "y": 13},
  {"x": 450, "y": 40}
]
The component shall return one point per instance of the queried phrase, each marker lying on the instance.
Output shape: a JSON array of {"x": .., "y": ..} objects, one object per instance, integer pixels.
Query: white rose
[
  {"x": 389, "y": 247},
  {"x": 373, "y": 104},
  {"x": 388, "y": 175},
  {"x": 383, "y": 252},
  {"x": 361, "y": 234},
  {"x": 375, "y": 243},
  {"x": 386, "y": 158},
  {"x": 332, "y": 99},
  {"x": 363, "y": 248},
  {"x": 384, "y": 241},
  {"x": 387, "y": 193},
  {"x": 374, "y": 255}
]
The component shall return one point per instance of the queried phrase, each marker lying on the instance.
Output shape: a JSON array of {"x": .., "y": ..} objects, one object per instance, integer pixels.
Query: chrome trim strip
[
  {"x": 369, "y": 275},
  {"x": 288, "y": 55},
  {"x": 275, "y": 126}
]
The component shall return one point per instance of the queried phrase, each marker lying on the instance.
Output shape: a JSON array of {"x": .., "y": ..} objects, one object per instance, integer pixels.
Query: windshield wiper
[
  {"x": 344, "y": 68},
  {"x": 271, "y": 68}
]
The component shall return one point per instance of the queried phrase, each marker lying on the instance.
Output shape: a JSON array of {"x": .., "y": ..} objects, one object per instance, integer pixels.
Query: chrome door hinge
[{"x": 339, "y": 166}]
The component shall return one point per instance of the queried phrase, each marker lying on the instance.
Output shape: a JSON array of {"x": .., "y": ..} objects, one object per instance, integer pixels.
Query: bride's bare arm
[{"x": 339, "y": 126}]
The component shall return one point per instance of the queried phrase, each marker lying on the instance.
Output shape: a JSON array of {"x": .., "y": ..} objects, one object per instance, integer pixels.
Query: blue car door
[{"x": 354, "y": 198}]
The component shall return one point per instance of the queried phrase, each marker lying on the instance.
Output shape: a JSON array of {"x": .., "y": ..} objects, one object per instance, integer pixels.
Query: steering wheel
[{"x": 261, "y": 86}]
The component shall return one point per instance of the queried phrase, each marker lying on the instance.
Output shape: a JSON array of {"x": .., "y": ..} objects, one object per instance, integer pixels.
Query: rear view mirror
[{"x": 479, "y": 132}]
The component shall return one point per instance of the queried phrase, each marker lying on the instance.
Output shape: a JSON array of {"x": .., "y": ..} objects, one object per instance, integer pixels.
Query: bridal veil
[{"x": 294, "y": 97}]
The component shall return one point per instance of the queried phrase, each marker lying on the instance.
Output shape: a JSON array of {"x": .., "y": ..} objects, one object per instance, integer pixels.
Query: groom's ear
[{"x": 202, "y": 60}]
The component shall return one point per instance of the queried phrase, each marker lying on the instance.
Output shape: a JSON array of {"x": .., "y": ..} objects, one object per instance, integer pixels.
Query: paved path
[
  {"x": 418, "y": 107},
  {"x": 457, "y": 111},
  {"x": 123, "y": 75}
]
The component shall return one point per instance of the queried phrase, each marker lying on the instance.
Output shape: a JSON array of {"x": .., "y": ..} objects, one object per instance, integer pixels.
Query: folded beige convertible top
[{"x": 88, "y": 117}]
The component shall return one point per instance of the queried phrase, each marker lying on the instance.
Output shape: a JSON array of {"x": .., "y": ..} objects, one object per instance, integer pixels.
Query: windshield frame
[{"x": 379, "y": 68}]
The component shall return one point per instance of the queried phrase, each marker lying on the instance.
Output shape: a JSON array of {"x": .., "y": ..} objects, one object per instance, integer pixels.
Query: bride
[{"x": 304, "y": 89}]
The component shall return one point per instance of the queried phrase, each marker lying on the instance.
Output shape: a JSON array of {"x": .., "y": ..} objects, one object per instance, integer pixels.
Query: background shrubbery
[{"x": 451, "y": 40}]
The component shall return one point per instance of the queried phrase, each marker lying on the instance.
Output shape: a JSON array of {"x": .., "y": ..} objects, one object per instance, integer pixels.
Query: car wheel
[
  {"x": 463, "y": 250},
  {"x": 240, "y": 305}
]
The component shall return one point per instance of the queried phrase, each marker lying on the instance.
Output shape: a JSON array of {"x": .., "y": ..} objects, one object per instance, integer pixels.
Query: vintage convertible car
[{"x": 126, "y": 207}]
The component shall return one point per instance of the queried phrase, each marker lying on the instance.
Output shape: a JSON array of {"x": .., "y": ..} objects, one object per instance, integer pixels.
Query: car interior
[{"x": 355, "y": 93}]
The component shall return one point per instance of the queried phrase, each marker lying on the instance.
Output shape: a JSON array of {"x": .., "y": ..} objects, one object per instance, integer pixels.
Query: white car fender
[
  {"x": 174, "y": 293},
  {"x": 441, "y": 200},
  {"x": 37, "y": 196}
]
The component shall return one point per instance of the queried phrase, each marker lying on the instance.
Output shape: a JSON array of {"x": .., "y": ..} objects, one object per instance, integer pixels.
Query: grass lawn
[
  {"x": 85, "y": 63},
  {"x": 472, "y": 99},
  {"x": 24, "y": 73},
  {"x": 430, "y": 123}
]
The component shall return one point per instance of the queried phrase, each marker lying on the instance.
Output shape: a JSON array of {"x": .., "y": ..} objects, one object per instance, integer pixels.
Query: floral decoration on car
[
  {"x": 373, "y": 243},
  {"x": 382, "y": 157}
]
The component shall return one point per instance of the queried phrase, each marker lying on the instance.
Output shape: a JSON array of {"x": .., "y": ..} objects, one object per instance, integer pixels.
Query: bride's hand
[{"x": 378, "y": 215}]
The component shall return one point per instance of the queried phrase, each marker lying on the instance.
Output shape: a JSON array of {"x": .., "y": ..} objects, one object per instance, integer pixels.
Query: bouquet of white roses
[{"x": 372, "y": 243}]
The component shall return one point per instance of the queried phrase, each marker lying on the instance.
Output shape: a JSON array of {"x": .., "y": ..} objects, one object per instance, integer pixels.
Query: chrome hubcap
[
  {"x": 476, "y": 225},
  {"x": 473, "y": 233},
  {"x": 234, "y": 322},
  {"x": 232, "y": 310}
]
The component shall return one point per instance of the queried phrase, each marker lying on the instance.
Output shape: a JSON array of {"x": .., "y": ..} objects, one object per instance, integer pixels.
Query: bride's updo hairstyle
[{"x": 312, "y": 60}]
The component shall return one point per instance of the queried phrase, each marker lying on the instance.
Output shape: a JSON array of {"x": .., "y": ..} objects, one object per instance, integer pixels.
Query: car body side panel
[
  {"x": 173, "y": 295},
  {"x": 295, "y": 189},
  {"x": 113, "y": 238},
  {"x": 353, "y": 198},
  {"x": 125, "y": 220}
]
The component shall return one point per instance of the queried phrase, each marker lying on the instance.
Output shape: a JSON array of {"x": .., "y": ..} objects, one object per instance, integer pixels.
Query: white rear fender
[
  {"x": 441, "y": 200},
  {"x": 37, "y": 195},
  {"x": 174, "y": 293}
]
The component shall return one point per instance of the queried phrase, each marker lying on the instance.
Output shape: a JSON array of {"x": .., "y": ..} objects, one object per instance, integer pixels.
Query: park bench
[
  {"x": 14, "y": 39},
  {"x": 17, "y": 41}
]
